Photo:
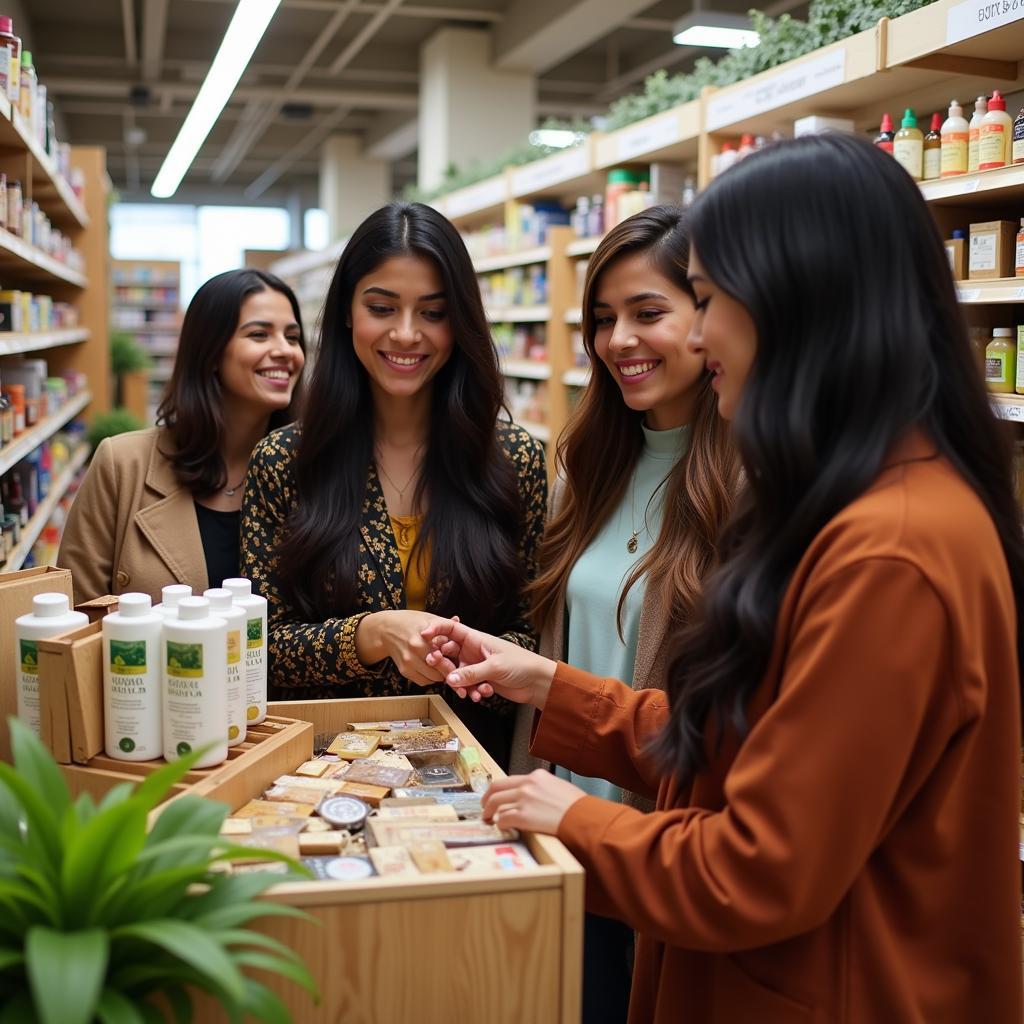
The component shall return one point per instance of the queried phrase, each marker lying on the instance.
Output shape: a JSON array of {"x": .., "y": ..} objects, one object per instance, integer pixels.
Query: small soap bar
[
  {"x": 416, "y": 739},
  {"x": 385, "y": 755},
  {"x": 350, "y": 745},
  {"x": 391, "y": 860},
  {"x": 374, "y": 773},
  {"x": 430, "y": 856},
  {"x": 423, "y": 812},
  {"x": 273, "y": 807},
  {"x": 440, "y": 775},
  {"x": 311, "y": 843},
  {"x": 322, "y": 786},
  {"x": 371, "y": 794},
  {"x": 313, "y": 769},
  {"x": 236, "y": 827}
]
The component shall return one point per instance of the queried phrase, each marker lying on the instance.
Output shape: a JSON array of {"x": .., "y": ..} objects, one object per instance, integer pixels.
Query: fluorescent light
[
  {"x": 714, "y": 29},
  {"x": 554, "y": 138},
  {"x": 248, "y": 24}
]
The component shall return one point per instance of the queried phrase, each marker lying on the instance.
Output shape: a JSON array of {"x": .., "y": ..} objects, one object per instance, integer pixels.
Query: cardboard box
[
  {"x": 815, "y": 124},
  {"x": 16, "y": 592},
  {"x": 992, "y": 250},
  {"x": 956, "y": 253}
]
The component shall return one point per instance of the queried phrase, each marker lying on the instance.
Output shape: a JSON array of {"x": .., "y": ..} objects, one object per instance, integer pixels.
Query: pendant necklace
[
  {"x": 631, "y": 544},
  {"x": 230, "y": 491}
]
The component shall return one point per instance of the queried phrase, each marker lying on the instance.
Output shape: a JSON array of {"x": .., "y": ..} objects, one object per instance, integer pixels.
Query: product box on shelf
[
  {"x": 991, "y": 250},
  {"x": 17, "y": 589}
]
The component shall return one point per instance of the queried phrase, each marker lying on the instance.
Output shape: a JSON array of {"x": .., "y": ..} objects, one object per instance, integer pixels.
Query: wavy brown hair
[
  {"x": 603, "y": 440},
  {"x": 192, "y": 407}
]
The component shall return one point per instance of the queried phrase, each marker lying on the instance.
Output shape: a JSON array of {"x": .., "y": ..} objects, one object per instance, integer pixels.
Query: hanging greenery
[{"x": 782, "y": 39}]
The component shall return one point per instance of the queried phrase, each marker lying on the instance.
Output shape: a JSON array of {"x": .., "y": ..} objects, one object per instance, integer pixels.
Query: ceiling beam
[
  {"x": 536, "y": 35},
  {"x": 368, "y": 31},
  {"x": 131, "y": 44},
  {"x": 154, "y": 35},
  {"x": 478, "y": 15},
  {"x": 249, "y": 131}
]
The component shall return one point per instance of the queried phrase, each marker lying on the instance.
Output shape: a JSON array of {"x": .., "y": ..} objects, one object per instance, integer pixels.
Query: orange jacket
[{"x": 854, "y": 860}]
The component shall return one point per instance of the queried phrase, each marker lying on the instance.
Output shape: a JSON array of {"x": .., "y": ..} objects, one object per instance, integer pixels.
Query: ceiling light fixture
[
  {"x": 555, "y": 138},
  {"x": 714, "y": 29},
  {"x": 248, "y": 24}
]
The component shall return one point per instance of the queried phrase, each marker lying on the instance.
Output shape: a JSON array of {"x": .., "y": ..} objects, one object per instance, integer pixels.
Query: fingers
[
  {"x": 441, "y": 664},
  {"x": 502, "y": 798},
  {"x": 451, "y": 629}
]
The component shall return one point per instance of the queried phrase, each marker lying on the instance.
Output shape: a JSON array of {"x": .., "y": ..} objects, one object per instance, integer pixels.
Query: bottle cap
[
  {"x": 1003, "y": 332},
  {"x": 6, "y": 25},
  {"x": 981, "y": 105},
  {"x": 238, "y": 587},
  {"x": 219, "y": 597},
  {"x": 26, "y": 58},
  {"x": 193, "y": 608},
  {"x": 746, "y": 140},
  {"x": 727, "y": 147},
  {"x": 936, "y": 122},
  {"x": 172, "y": 594},
  {"x": 50, "y": 605},
  {"x": 997, "y": 102},
  {"x": 955, "y": 110},
  {"x": 134, "y": 604},
  {"x": 909, "y": 121},
  {"x": 886, "y": 123},
  {"x": 959, "y": 234}
]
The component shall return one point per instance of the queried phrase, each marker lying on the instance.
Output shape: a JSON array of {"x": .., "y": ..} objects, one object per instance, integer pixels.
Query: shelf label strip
[{"x": 974, "y": 17}]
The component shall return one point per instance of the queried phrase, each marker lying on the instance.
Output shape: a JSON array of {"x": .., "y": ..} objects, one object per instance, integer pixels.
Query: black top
[{"x": 219, "y": 534}]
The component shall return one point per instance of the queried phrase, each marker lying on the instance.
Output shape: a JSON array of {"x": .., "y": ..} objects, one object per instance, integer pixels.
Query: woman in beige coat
[
  {"x": 162, "y": 505},
  {"x": 647, "y": 476}
]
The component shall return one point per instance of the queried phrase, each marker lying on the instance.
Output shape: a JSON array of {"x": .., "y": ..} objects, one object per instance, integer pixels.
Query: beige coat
[
  {"x": 648, "y": 670},
  {"x": 132, "y": 525}
]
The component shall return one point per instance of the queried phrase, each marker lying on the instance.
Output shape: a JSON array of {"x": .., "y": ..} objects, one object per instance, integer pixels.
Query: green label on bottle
[
  {"x": 128, "y": 657},
  {"x": 253, "y": 633},
  {"x": 29, "y": 657},
  {"x": 184, "y": 661}
]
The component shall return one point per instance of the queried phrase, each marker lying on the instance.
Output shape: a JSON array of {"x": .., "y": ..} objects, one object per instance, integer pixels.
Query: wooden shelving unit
[{"x": 147, "y": 303}]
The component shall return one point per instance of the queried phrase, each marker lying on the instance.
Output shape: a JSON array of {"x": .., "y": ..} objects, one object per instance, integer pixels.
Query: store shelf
[
  {"x": 670, "y": 135},
  {"x": 574, "y": 315},
  {"x": 1008, "y": 407},
  {"x": 44, "y": 511},
  {"x": 162, "y": 306},
  {"x": 138, "y": 282},
  {"x": 579, "y": 377},
  {"x": 14, "y": 344},
  {"x": 987, "y": 293},
  {"x": 26, "y": 261},
  {"x": 982, "y": 189},
  {"x": 537, "y": 430},
  {"x": 33, "y": 438},
  {"x": 49, "y": 189},
  {"x": 519, "y": 314},
  {"x": 583, "y": 246},
  {"x": 502, "y": 261},
  {"x": 526, "y": 369}
]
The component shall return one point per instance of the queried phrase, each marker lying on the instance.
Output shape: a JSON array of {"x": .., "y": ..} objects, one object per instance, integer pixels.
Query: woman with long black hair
[
  {"x": 398, "y": 496},
  {"x": 835, "y": 761}
]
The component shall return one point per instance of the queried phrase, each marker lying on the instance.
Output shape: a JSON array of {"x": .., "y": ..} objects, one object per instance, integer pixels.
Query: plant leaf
[
  {"x": 10, "y": 958},
  {"x": 37, "y": 767},
  {"x": 192, "y": 946},
  {"x": 43, "y": 825},
  {"x": 155, "y": 787},
  {"x": 296, "y": 972},
  {"x": 180, "y": 1003},
  {"x": 121, "y": 792},
  {"x": 244, "y": 937},
  {"x": 65, "y": 972},
  {"x": 18, "y": 1011},
  {"x": 262, "y": 1004},
  {"x": 242, "y": 913},
  {"x": 114, "y": 1008}
]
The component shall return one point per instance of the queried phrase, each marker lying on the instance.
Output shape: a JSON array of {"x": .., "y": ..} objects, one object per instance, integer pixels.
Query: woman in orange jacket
[{"x": 835, "y": 758}]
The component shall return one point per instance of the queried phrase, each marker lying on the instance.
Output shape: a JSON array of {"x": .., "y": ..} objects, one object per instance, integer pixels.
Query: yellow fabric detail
[{"x": 406, "y": 529}]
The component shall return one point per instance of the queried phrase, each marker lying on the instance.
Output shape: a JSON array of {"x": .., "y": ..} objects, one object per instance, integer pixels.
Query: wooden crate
[{"x": 501, "y": 948}]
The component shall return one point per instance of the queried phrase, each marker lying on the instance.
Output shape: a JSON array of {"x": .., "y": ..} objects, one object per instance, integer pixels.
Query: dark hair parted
[
  {"x": 602, "y": 442},
  {"x": 191, "y": 409},
  {"x": 828, "y": 244},
  {"x": 472, "y": 520}
]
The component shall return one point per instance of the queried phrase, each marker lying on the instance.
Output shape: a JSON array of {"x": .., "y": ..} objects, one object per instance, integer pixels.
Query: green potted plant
[
  {"x": 103, "y": 919},
  {"x": 126, "y": 356}
]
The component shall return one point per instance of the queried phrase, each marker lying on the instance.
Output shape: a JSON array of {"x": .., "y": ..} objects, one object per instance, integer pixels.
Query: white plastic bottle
[
  {"x": 170, "y": 596},
  {"x": 974, "y": 132},
  {"x": 195, "y": 670},
  {"x": 255, "y": 647},
  {"x": 221, "y": 603},
  {"x": 51, "y": 615},
  {"x": 132, "y": 682},
  {"x": 995, "y": 137},
  {"x": 956, "y": 135}
]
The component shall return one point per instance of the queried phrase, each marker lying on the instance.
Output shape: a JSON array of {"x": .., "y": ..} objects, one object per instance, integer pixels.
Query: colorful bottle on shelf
[
  {"x": 255, "y": 646},
  {"x": 908, "y": 146},
  {"x": 1001, "y": 362},
  {"x": 886, "y": 134},
  {"x": 1018, "y": 260},
  {"x": 222, "y": 604},
  {"x": 1020, "y": 359},
  {"x": 995, "y": 138},
  {"x": 27, "y": 89},
  {"x": 933, "y": 149},
  {"x": 974, "y": 132},
  {"x": 955, "y": 136},
  {"x": 1017, "y": 145},
  {"x": 10, "y": 62}
]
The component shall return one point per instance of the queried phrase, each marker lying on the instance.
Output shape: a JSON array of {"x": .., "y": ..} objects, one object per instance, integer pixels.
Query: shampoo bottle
[
  {"x": 955, "y": 136},
  {"x": 1001, "y": 362},
  {"x": 171, "y": 595},
  {"x": 221, "y": 603},
  {"x": 886, "y": 133},
  {"x": 195, "y": 670},
  {"x": 132, "y": 683},
  {"x": 974, "y": 133},
  {"x": 51, "y": 615},
  {"x": 1017, "y": 144},
  {"x": 255, "y": 647},
  {"x": 995, "y": 139},
  {"x": 908, "y": 147},
  {"x": 933, "y": 149}
]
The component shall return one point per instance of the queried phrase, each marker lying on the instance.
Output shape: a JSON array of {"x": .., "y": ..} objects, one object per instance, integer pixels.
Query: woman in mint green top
[{"x": 646, "y": 479}]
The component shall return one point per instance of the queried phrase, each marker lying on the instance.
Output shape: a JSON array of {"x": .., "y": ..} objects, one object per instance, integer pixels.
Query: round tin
[
  {"x": 344, "y": 812},
  {"x": 347, "y": 869}
]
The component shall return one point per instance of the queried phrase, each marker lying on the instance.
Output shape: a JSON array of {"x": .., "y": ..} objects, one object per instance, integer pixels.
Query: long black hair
[
  {"x": 192, "y": 407},
  {"x": 472, "y": 522},
  {"x": 829, "y": 245}
]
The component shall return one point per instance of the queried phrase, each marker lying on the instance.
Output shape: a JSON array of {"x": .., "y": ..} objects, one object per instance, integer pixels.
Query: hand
[
  {"x": 488, "y": 665},
  {"x": 536, "y": 802},
  {"x": 397, "y": 635}
]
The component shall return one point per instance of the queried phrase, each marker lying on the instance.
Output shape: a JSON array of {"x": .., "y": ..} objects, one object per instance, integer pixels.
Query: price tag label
[
  {"x": 974, "y": 17},
  {"x": 1009, "y": 411},
  {"x": 653, "y": 133},
  {"x": 476, "y": 197},
  {"x": 778, "y": 89},
  {"x": 969, "y": 294},
  {"x": 552, "y": 170}
]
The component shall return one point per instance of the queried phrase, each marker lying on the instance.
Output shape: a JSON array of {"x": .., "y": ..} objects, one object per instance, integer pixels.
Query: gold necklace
[
  {"x": 384, "y": 473},
  {"x": 631, "y": 544}
]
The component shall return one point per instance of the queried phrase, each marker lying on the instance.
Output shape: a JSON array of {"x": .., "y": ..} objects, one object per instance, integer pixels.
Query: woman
[
  {"x": 836, "y": 760},
  {"x": 162, "y": 505},
  {"x": 647, "y": 478},
  {"x": 399, "y": 496}
]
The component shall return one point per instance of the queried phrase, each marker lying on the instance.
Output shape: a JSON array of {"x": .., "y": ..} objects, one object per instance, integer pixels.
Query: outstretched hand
[
  {"x": 535, "y": 803},
  {"x": 487, "y": 664}
]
